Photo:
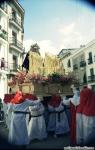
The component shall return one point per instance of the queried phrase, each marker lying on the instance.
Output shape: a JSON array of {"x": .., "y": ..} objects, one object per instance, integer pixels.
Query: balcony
[
  {"x": 14, "y": 67},
  {"x": 90, "y": 61},
  {"x": 75, "y": 67},
  {"x": 3, "y": 7},
  {"x": 3, "y": 65},
  {"x": 3, "y": 34},
  {"x": 91, "y": 78},
  {"x": 15, "y": 44},
  {"x": 82, "y": 64},
  {"x": 16, "y": 22}
]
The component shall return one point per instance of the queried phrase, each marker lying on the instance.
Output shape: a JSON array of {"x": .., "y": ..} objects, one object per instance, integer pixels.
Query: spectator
[{"x": 2, "y": 63}]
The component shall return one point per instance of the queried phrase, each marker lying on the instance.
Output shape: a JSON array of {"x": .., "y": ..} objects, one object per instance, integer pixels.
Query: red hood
[
  {"x": 30, "y": 97},
  {"x": 8, "y": 97},
  {"x": 89, "y": 108},
  {"x": 55, "y": 101},
  {"x": 18, "y": 98},
  {"x": 85, "y": 100}
]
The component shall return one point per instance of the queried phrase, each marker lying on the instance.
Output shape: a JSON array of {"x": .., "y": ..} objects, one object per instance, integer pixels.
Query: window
[
  {"x": 13, "y": 14},
  {"x": 84, "y": 78},
  {"x": 91, "y": 72},
  {"x": 90, "y": 58},
  {"x": 14, "y": 34},
  {"x": 2, "y": 63},
  {"x": 15, "y": 62},
  {"x": 14, "y": 37},
  {"x": 0, "y": 46},
  {"x": 90, "y": 55},
  {"x": 69, "y": 63}
]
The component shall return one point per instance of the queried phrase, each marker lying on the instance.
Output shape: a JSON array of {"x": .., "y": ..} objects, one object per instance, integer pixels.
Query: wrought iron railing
[
  {"x": 13, "y": 41},
  {"x": 91, "y": 78},
  {"x": 3, "y": 33},
  {"x": 3, "y": 65},
  {"x": 16, "y": 20},
  {"x": 14, "y": 67},
  {"x": 90, "y": 61},
  {"x": 75, "y": 66},
  {"x": 82, "y": 64},
  {"x": 3, "y": 7}
]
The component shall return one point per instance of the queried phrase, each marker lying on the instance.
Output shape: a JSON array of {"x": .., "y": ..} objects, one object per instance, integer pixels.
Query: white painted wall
[{"x": 4, "y": 46}]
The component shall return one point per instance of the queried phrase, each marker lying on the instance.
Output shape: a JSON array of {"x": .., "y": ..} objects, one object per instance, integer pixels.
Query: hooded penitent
[
  {"x": 30, "y": 96},
  {"x": 89, "y": 108},
  {"x": 55, "y": 101},
  {"x": 18, "y": 98},
  {"x": 8, "y": 97},
  {"x": 85, "y": 98}
]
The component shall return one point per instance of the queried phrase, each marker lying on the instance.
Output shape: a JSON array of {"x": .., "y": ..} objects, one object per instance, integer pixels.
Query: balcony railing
[
  {"x": 82, "y": 64},
  {"x": 75, "y": 66},
  {"x": 13, "y": 67},
  {"x": 5, "y": 66},
  {"x": 3, "y": 33},
  {"x": 90, "y": 61},
  {"x": 3, "y": 7},
  {"x": 91, "y": 78},
  {"x": 16, "y": 43},
  {"x": 16, "y": 20}
]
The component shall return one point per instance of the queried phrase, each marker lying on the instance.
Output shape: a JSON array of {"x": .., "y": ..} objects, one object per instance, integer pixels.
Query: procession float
[{"x": 41, "y": 76}]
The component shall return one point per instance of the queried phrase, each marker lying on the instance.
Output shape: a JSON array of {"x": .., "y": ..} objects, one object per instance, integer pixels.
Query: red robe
[
  {"x": 73, "y": 123},
  {"x": 86, "y": 109},
  {"x": 89, "y": 108}
]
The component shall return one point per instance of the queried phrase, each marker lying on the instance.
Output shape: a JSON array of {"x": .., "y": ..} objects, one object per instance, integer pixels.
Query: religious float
[
  {"x": 41, "y": 85},
  {"x": 41, "y": 76}
]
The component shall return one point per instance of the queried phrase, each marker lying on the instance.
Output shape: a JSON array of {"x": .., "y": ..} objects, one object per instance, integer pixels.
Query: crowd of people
[
  {"x": 29, "y": 118},
  {"x": 26, "y": 121},
  {"x": 82, "y": 108}
]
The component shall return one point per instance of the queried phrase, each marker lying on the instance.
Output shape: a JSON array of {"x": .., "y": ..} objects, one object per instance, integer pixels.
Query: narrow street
[{"x": 49, "y": 143}]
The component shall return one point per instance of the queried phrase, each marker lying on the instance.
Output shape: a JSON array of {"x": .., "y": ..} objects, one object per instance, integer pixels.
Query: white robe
[
  {"x": 7, "y": 116},
  {"x": 58, "y": 122},
  {"x": 76, "y": 98},
  {"x": 52, "y": 119},
  {"x": 79, "y": 129},
  {"x": 89, "y": 130},
  {"x": 66, "y": 103},
  {"x": 62, "y": 125},
  {"x": 18, "y": 134},
  {"x": 85, "y": 129},
  {"x": 37, "y": 126}
]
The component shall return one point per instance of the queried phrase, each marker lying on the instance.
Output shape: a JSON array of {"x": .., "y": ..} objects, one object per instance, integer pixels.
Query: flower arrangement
[
  {"x": 22, "y": 77},
  {"x": 12, "y": 83},
  {"x": 63, "y": 79}
]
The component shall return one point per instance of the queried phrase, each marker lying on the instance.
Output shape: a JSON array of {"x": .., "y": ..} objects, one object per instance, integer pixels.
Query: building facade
[
  {"x": 81, "y": 63},
  {"x": 11, "y": 41}
]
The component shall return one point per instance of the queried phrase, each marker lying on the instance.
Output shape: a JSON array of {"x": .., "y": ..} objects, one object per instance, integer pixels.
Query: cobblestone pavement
[{"x": 49, "y": 143}]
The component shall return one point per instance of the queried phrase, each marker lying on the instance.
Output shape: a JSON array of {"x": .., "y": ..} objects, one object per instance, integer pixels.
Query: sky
[{"x": 57, "y": 24}]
